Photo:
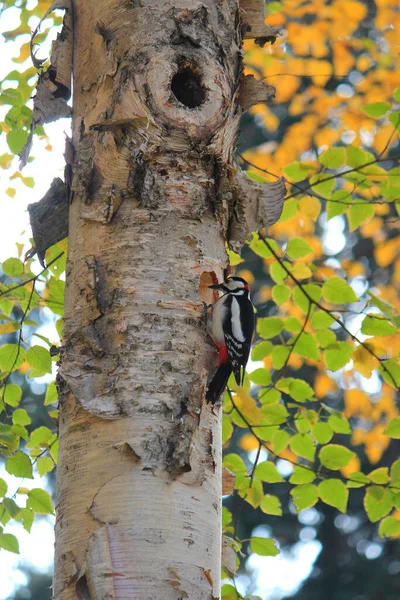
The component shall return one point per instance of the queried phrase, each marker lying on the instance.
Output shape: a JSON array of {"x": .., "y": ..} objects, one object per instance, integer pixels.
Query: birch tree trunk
[{"x": 155, "y": 196}]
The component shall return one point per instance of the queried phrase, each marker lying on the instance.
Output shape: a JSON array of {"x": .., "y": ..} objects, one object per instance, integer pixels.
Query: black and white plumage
[{"x": 232, "y": 331}]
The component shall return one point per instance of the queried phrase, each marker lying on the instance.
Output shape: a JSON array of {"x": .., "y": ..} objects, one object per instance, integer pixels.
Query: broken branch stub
[
  {"x": 255, "y": 205},
  {"x": 49, "y": 218},
  {"x": 53, "y": 88},
  {"x": 255, "y": 27},
  {"x": 254, "y": 91}
]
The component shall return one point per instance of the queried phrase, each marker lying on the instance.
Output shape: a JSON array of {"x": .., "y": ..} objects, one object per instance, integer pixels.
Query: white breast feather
[
  {"x": 219, "y": 310},
  {"x": 236, "y": 324}
]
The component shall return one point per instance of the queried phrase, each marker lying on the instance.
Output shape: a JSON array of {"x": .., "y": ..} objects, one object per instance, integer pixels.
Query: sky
[{"x": 274, "y": 577}]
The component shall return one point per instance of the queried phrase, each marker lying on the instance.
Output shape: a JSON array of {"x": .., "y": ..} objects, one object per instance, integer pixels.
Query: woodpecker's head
[{"x": 233, "y": 285}]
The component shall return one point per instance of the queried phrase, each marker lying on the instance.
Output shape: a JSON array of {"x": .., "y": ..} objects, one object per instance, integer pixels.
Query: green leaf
[
  {"x": 376, "y": 109},
  {"x": 260, "y": 376},
  {"x": 270, "y": 396},
  {"x": 290, "y": 209},
  {"x": 45, "y": 464},
  {"x": 333, "y": 158},
  {"x": 393, "y": 429},
  {"x": 306, "y": 346},
  {"x": 377, "y": 325},
  {"x": 11, "y": 357},
  {"x": 334, "y": 493},
  {"x": 269, "y": 327},
  {"x": 323, "y": 185},
  {"x": 14, "y": 267},
  {"x": 258, "y": 246},
  {"x": 271, "y": 505},
  {"x": 395, "y": 473},
  {"x": 227, "y": 428},
  {"x": 396, "y": 94},
  {"x": 39, "y": 360},
  {"x": 338, "y": 291},
  {"x": 3, "y": 488},
  {"x": 280, "y": 441},
  {"x": 267, "y": 471},
  {"x": 325, "y": 337},
  {"x": 338, "y": 204},
  {"x": 27, "y": 517},
  {"x": 254, "y": 494},
  {"x": 19, "y": 465},
  {"x": 228, "y": 592},
  {"x": 280, "y": 294},
  {"x": 226, "y": 517},
  {"x": 234, "y": 259},
  {"x": 21, "y": 417},
  {"x": 293, "y": 325},
  {"x": 357, "y": 480},
  {"x": 274, "y": 414},
  {"x": 277, "y": 272},
  {"x": 279, "y": 356},
  {"x": 41, "y": 436},
  {"x": 302, "y": 425},
  {"x": 321, "y": 320},
  {"x": 12, "y": 507},
  {"x": 20, "y": 431},
  {"x": 296, "y": 388},
  {"x": 7, "y": 438},
  {"x": 379, "y": 476},
  {"x": 12, "y": 394},
  {"x": 304, "y": 496},
  {"x": 297, "y": 171},
  {"x": 234, "y": 463},
  {"x": 391, "y": 372},
  {"x": 301, "y": 299},
  {"x": 378, "y": 501},
  {"x": 389, "y": 527},
  {"x": 40, "y": 502},
  {"x": 339, "y": 423},
  {"x": 51, "y": 394},
  {"x": 303, "y": 445},
  {"x": 337, "y": 355},
  {"x": 9, "y": 542},
  {"x": 16, "y": 140},
  {"x": 297, "y": 248},
  {"x": 263, "y": 546},
  {"x": 394, "y": 118},
  {"x": 302, "y": 475},
  {"x": 358, "y": 214},
  {"x": 261, "y": 350},
  {"x": 322, "y": 432},
  {"x": 335, "y": 457},
  {"x": 55, "y": 297}
]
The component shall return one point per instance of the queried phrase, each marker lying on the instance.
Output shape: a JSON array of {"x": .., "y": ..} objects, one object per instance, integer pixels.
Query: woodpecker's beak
[{"x": 217, "y": 286}]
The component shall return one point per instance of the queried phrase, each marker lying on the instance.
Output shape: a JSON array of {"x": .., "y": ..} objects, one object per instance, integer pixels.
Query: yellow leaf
[
  {"x": 310, "y": 206},
  {"x": 323, "y": 385},
  {"x": 8, "y": 328},
  {"x": 354, "y": 466},
  {"x": 248, "y": 442},
  {"x": 364, "y": 362},
  {"x": 301, "y": 270}
]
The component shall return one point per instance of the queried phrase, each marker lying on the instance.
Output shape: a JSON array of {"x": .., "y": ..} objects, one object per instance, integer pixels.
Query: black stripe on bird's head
[{"x": 232, "y": 285}]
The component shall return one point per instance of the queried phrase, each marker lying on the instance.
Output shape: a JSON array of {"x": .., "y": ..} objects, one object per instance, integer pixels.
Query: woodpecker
[{"x": 232, "y": 330}]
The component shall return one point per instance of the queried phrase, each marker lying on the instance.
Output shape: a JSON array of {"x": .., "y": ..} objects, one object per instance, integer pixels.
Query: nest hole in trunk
[{"x": 187, "y": 87}]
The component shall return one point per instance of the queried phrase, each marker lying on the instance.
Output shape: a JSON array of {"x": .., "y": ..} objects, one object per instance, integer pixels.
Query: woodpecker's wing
[{"x": 238, "y": 333}]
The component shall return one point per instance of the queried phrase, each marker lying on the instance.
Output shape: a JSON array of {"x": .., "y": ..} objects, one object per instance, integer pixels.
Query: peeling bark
[
  {"x": 53, "y": 89},
  {"x": 155, "y": 196},
  {"x": 254, "y": 25},
  {"x": 49, "y": 219}
]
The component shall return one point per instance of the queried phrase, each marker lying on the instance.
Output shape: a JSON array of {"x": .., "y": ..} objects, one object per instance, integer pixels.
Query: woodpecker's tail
[{"x": 218, "y": 383}]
